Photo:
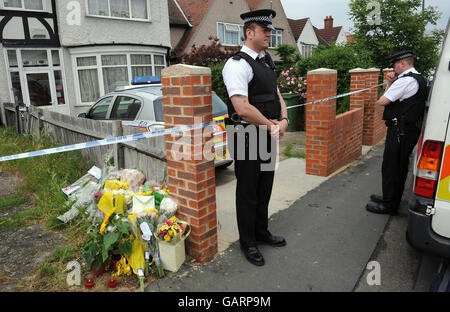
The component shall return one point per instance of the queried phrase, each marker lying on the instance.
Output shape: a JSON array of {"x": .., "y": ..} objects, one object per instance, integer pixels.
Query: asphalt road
[{"x": 331, "y": 239}]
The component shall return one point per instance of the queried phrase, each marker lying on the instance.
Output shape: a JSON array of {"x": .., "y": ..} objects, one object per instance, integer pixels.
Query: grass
[
  {"x": 44, "y": 176},
  {"x": 289, "y": 153},
  {"x": 13, "y": 200}
]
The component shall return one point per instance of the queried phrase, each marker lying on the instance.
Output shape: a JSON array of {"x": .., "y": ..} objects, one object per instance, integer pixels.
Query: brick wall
[
  {"x": 331, "y": 141},
  {"x": 374, "y": 128},
  {"x": 187, "y": 100}
]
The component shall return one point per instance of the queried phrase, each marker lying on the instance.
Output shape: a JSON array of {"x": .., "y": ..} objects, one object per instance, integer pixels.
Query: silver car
[{"x": 142, "y": 107}]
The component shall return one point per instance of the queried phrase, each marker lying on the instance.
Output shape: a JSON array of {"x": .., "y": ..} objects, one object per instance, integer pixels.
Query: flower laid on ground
[
  {"x": 290, "y": 81},
  {"x": 170, "y": 230}
]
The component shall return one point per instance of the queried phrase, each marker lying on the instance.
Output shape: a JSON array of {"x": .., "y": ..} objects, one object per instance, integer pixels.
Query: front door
[{"x": 38, "y": 89}]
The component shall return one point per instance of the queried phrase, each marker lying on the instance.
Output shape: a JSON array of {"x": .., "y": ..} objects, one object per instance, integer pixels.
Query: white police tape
[
  {"x": 147, "y": 135},
  {"x": 335, "y": 97},
  {"x": 108, "y": 141}
]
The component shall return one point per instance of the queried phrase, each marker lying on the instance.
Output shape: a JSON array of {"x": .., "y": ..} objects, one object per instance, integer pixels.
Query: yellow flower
[
  {"x": 171, "y": 233},
  {"x": 167, "y": 238},
  {"x": 173, "y": 219}
]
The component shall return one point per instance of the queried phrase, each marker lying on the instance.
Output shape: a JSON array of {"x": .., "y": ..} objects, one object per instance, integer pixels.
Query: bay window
[{"x": 100, "y": 74}]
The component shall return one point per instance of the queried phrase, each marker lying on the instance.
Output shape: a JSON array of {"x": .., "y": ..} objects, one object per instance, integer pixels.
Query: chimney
[{"x": 329, "y": 22}]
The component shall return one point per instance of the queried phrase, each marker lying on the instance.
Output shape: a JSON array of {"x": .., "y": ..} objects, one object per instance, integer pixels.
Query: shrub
[{"x": 341, "y": 58}]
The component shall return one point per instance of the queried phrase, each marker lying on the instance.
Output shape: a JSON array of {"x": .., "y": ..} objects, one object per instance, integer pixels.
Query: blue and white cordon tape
[{"x": 147, "y": 135}]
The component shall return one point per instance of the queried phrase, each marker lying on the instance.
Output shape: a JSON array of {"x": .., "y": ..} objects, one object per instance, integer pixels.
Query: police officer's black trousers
[
  {"x": 253, "y": 192},
  {"x": 395, "y": 163}
]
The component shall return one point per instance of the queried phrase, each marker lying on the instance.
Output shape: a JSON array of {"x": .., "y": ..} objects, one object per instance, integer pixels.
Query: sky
[{"x": 317, "y": 10}]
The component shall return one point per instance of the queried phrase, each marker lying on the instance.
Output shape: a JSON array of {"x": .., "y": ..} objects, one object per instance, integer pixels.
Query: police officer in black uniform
[
  {"x": 404, "y": 106},
  {"x": 257, "y": 114}
]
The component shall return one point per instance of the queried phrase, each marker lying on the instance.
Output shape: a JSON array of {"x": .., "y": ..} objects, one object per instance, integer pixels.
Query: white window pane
[
  {"x": 33, "y": 4},
  {"x": 231, "y": 38},
  {"x": 12, "y": 58},
  {"x": 159, "y": 60},
  {"x": 114, "y": 77},
  {"x": 13, "y": 4},
  {"x": 98, "y": 7},
  {"x": 87, "y": 61},
  {"x": 34, "y": 58},
  {"x": 114, "y": 60},
  {"x": 55, "y": 58},
  {"x": 140, "y": 71},
  {"x": 229, "y": 27},
  {"x": 119, "y": 8},
  {"x": 89, "y": 87},
  {"x": 141, "y": 59},
  {"x": 220, "y": 32},
  {"x": 139, "y": 9},
  {"x": 158, "y": 71},
  {"x": 59, "y": 87}
]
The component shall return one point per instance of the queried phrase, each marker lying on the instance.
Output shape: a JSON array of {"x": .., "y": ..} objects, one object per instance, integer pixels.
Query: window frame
[
  {"x": 99, "y": 67},
  {"x": 278, "y": 34},
  {"x": 147, "y": 3},
  {"x": 22, "y": 8},
  {"x": 23, "y": 70},
  {"x": 108, "y": 111},
  {"x": 240, "y": 34}
]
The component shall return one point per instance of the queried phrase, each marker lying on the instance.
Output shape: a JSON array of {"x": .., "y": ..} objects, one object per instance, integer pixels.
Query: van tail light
[{"x": 428, "y": 169}]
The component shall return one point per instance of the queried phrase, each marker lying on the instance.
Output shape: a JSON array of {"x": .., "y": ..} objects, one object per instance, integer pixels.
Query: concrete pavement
[{"x": 330, "y": 235}]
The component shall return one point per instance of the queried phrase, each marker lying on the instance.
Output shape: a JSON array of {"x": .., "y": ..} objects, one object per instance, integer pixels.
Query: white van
[{"x": 429, "y": 205}]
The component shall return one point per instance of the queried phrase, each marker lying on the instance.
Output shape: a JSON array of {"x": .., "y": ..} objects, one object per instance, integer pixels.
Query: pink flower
[
  {"x": 299, "y": 85},
  {"x": 169, "y": 223},
  {"x": 291, "y": 68}
]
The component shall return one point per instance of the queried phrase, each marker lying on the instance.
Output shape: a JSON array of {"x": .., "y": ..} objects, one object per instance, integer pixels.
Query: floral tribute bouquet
[
  {"x": 291, "y": 82},
  {"x": 171, "y": 231},
  {"x": 147, "y": 223}
]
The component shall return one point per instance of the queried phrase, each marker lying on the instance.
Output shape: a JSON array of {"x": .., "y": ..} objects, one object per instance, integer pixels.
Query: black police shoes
[
  {"x": 376, "y": 198},
  {"x": 253, "y": 255},
  {"x": 272, "y": 240},
  {"x": 382, "y": 208}
]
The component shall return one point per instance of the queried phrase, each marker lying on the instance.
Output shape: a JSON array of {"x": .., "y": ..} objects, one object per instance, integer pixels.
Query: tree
[{"x": 402, "y": 26}]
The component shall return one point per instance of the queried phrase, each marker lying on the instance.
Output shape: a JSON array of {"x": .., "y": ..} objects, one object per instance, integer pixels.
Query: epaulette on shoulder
[{"x": 237, "y": 56}]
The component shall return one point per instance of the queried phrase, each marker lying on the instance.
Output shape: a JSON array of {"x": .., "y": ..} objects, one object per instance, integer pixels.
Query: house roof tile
[
  {"x": 297, "y": 26},
  {"x": 329, "y": 34}
]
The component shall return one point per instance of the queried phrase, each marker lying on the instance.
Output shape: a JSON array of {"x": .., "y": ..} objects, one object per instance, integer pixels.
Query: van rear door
[
  {"x": 441, "y": 100},
  {"x": 441, "y": 218}
]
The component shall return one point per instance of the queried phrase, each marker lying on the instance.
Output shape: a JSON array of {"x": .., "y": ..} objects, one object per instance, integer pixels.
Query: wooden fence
[{"x": 148, "y": 155}]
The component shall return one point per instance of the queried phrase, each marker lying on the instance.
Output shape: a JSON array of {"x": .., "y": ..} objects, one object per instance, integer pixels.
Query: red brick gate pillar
[
  {"x": 321, "y": 122},
  {"x": 373, "y": 125},
  {"x": 191, "y": 173}
]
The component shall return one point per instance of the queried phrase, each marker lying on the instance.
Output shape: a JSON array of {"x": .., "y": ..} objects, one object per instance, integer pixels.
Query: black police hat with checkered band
[
  {"x": 400, "y": 56},
  {"x": 262, "y": 17}
]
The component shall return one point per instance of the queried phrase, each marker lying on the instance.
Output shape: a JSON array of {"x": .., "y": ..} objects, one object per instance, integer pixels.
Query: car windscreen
[{"x": 219, "y": 107}]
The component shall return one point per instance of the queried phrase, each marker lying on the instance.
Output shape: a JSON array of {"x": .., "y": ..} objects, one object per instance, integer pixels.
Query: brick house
[
  {"x": 220, "y": 19},
  {"x": 307, "y": 36}
]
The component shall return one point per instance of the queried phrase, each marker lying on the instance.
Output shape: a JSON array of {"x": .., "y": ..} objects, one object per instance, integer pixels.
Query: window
[
  {"x": 35, "y": 5},
  {"x": 306, "y": 50},
  {"x": 276, "y": 39},
  {"x": 115, "y": 71},
  {"x": 101, "y": 74},
  {"x": 129, "y": 9},
  {"x": 230, "y": 34},
  {"x": 88, "y": 78},
  {"x": 126, "y": 108},
  {"x": 100, "y": 110}
]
